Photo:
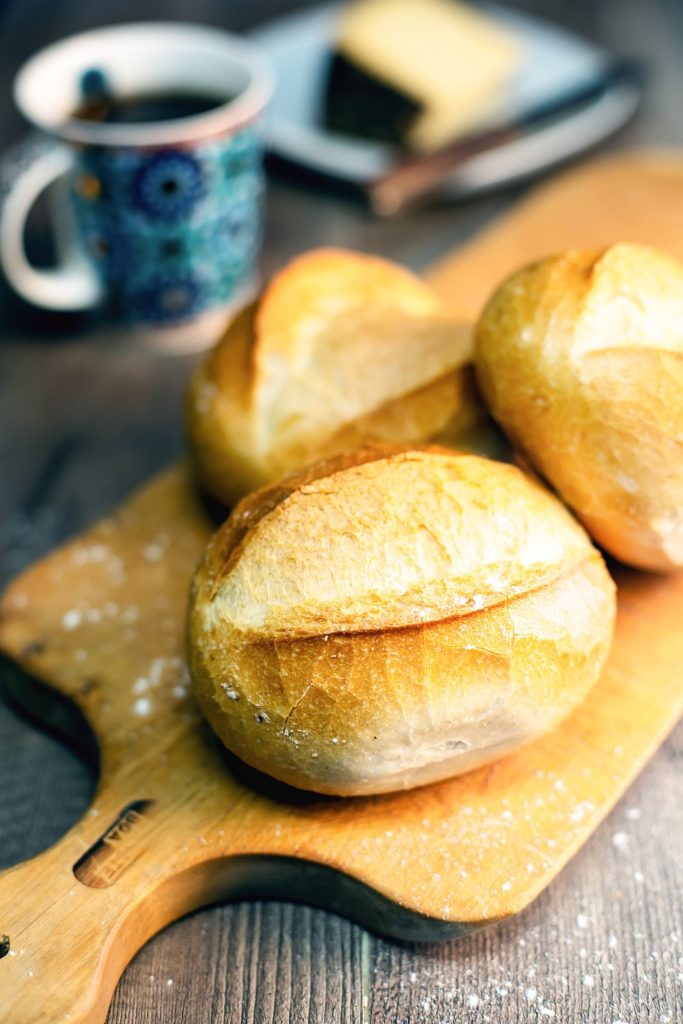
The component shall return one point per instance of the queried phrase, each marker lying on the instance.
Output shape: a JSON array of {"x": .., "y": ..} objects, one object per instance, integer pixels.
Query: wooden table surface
[{"x": 84, "y": 420}]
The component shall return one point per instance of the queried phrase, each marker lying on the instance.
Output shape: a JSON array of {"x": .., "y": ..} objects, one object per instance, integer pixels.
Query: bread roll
[
  {"x": 580, "y": 357},
  {"x": 340, "y": 350},
  {"x": 393, "y": 616}
]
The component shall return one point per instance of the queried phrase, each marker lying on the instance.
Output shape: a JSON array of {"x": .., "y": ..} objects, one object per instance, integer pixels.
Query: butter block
[{"x": 417, "y": 72}]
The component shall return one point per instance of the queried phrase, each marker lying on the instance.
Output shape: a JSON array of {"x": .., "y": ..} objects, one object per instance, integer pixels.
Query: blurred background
[{"x": 302, "y": 211}]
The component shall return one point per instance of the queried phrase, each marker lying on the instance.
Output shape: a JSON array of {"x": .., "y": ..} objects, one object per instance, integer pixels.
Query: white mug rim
[{"x": 224, "y": 117}]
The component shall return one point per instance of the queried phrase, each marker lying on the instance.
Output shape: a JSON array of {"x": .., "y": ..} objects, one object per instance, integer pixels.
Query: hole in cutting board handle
[
  {"x": 105, "y": 861},
  {"x": 40, "y": 708}
]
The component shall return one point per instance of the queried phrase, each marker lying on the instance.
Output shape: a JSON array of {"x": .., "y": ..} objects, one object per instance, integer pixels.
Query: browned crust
[
  {"x": 327, "y": 712},
  {"x": 580, "y": 358},
  {"x": 231, "y": 451}
]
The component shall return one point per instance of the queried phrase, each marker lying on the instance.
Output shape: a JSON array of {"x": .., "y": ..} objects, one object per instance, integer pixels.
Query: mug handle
[{"x": 25, "y": 172}]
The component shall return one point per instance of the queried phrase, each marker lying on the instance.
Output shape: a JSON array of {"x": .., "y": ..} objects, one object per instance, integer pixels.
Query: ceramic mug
[{"x": 157, "y": 222}]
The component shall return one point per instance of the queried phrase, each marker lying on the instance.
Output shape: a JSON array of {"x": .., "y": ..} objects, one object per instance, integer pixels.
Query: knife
[{"x": 415, "y": 177}]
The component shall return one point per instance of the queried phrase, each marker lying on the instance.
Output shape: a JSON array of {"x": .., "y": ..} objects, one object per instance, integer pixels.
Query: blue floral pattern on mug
[
  {"x": 173, "y": 231},
  {"x": 168, "y": 185}
]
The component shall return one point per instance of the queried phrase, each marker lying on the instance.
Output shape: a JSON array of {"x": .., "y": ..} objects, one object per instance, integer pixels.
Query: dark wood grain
[
  {"x": 83, "y": 419},
  {"x": 248, "y": 962}
]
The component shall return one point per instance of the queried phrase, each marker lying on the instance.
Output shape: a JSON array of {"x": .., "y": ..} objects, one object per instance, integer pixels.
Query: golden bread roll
[
  {"x": 340, "y": 350},
  {"x": 580, "y": 358},
  {"x": 392, "y": 617}
]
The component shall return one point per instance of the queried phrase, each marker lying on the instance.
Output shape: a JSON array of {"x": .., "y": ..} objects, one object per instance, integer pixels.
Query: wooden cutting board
[{"x": 176, "y": 823}]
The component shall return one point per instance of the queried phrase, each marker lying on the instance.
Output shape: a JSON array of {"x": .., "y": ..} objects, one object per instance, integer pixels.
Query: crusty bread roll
[
  {"x": 580, "y": 358},
  {"x": 391, "y": 617},
  {"x": 341, "y": 349}
]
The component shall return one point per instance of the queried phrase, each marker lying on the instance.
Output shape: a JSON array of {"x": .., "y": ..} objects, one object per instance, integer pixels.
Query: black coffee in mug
[{"x": 146, "y": 108}]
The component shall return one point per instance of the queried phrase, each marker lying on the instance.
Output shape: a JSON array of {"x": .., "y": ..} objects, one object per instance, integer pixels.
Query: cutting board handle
[
  {"x": 72, "y": 917},
  {"x": 60, "y": 942}
]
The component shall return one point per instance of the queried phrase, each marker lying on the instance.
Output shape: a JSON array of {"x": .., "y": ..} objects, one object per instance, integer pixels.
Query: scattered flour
[
  {"x": 142, "y": 707},
  {"x": 72, "y": 618},
  {"x": 621, "y": 841}
]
